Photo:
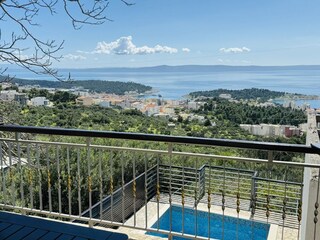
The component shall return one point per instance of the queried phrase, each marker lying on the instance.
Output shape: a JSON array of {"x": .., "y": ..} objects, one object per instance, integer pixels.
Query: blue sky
[{"x": 178, "y": 32}]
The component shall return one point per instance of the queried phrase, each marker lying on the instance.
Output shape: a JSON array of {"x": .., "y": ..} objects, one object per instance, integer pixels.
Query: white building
[
  {"x": 162, "y": 115},
  {"x": 198, "y": 118},
  {"x": 137, "y": 105},
  {"x": 267, "y": 130},
  {"x": 21, "y": 98},
  {"x": 305, "y": 106},
  {"x": 195, "y": 105},
  {"x": 225, "y": 96},
  {"x": 13, "y": 95},
  {"x": 174, "y": 103},
  {"x": 152, "y": 110},
  {"x": 104, "y": 104},
  {"x": 169, "y": 110},
  {"x": 8, "y": 95},
  {"x": 39, "y": 101},
  {"x": 123, "y": 103},
  {"x": 81, "y": 93},
  {"x": 289, "y": 104}
]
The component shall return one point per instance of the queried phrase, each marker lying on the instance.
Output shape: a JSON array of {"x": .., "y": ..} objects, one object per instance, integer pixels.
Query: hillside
[{"x": 115, "y": 87}]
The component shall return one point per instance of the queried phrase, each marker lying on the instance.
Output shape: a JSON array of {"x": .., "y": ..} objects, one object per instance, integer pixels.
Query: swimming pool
[{"x": 246, "y": 228}]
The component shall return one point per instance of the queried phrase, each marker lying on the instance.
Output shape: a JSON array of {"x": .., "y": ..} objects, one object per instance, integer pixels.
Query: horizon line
[{"x": 195, "y": 65}]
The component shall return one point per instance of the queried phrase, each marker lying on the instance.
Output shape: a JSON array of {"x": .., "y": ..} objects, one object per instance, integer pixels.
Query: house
[
  {"x": 21, "y": 98},
  {"x": 225, "y": 96},
  {"x": 39, "y": 101},
  {"x": 104, "y": 104},
  {"x": 8, "y": 95}
]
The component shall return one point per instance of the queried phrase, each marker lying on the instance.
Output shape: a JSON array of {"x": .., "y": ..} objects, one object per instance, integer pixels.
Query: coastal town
[{"x": 154, "y": 106}]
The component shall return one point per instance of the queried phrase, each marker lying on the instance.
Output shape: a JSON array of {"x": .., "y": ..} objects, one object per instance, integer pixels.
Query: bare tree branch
[
  {"x": 127, "y": 3},
  {"x": 23, "y": 13}
]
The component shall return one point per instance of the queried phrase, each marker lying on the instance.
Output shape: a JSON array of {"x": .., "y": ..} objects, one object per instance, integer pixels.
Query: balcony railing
[{"x": 153, "y": 183}]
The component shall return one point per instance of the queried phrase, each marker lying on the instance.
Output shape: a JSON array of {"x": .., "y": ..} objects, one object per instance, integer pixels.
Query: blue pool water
[{"x": 246, "y": 229}]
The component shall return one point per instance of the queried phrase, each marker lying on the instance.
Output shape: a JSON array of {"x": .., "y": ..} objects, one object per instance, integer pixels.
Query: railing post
[
  {"x": 90, "y": 223},
  {"x": 253, "y": 197},
  {"x": 170, "y": 149},
  {"x": 253, "y": 183},
  {"x": 88, "y": 158},
  {"x": 202, "y": 182},
  {"x": 310, "y": 224},
  {"x": 16, "y": 136}
]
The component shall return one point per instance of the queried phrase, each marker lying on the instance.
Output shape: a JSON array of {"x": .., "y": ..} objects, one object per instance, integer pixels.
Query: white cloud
[
  {"x": 186, "y": 50},
  {"x": 125, "y": 46},
  {"x": 235, "y": 50},
  {"x": 74, "y": 57}
]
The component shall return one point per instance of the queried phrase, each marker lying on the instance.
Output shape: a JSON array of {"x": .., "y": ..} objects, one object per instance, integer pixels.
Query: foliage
[
  {"x": 239, "y": 113},
  {"x": 35, "y": 92},
  {"x": 13, "y": 87},
  {"x": 62, "y": 97}
]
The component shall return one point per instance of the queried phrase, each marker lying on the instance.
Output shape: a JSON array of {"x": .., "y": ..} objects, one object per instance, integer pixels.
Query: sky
[{"x": 182, "y": 32}]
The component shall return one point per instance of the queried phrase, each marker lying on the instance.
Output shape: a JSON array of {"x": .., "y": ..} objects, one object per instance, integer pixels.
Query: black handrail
[{"x": 299, "y": 148}]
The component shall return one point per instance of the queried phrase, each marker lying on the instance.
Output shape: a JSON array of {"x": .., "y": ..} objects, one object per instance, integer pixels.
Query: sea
[{"x": 176, "y": 85}]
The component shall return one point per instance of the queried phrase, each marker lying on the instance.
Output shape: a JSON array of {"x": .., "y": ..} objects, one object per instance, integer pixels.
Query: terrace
[{"x": 136, "y": 183}]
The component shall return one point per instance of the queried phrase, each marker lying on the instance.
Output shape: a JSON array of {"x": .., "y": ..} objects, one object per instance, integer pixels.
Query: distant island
[
  {"x": 98, "y": 86},
  {"x": 262, "y": 95}
]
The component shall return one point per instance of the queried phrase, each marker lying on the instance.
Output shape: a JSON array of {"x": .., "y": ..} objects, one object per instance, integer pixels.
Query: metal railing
[{"x": 131, "y": 181}]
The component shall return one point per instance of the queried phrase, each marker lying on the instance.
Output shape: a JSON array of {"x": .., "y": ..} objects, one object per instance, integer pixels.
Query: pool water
[{"x": 246, "y": 229}]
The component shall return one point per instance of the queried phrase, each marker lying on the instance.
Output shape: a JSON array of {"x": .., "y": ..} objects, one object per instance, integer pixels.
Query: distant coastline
[
  {"x": 181, "y": 68},
  {"x": 198, "y": 68},
  {"x": 175, "y": 82},
  {"x": 298, "y": 97}
]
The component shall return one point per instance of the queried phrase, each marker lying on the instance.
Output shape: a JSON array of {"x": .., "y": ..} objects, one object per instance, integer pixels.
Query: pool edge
[{"x": 273, "y": 232}]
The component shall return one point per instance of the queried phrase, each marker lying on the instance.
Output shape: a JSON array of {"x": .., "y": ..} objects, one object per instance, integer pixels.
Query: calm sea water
[{"x": 174, "y": 85}]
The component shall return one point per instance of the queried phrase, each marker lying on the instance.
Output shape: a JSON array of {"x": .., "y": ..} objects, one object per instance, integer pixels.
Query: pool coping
[{"x": 273, "y": 232}]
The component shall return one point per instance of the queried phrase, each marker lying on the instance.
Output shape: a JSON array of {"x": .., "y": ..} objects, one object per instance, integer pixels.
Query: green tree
[{"x": 63, "y": 97}]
